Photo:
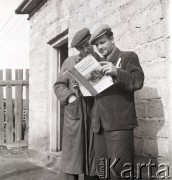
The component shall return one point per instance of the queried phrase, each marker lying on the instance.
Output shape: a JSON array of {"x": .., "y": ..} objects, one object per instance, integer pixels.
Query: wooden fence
[{"x": 14, "y": 112}]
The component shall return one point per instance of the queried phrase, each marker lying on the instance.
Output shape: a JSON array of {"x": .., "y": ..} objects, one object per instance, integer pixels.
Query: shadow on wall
[{"x": 151, "y": 136}]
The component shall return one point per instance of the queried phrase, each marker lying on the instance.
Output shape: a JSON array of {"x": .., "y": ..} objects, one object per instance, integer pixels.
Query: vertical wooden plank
[
  {"x": 27, "y": 107},
  {"x": 18, "y": 105},
  {"x": 9, "y": 112},
  {"x": 2, "y": 130},
  {"x": 53, "y": 103}
]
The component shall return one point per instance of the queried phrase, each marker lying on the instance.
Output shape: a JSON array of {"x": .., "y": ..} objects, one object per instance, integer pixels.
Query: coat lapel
[{"x": 114, "y": 56}]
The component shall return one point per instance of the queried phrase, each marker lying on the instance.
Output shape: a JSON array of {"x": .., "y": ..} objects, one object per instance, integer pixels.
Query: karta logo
[{"x": 107, "y": 167}]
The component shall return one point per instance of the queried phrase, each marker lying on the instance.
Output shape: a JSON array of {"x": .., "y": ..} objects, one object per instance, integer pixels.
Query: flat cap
[
  {"x": 80, "y": 37},
  {"x": 99, "y": 32}
]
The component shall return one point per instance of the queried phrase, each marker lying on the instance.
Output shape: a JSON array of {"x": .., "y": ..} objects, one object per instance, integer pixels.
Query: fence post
[
  {"x": 27, "y": 106},
  {"x": 9, "y": 105},
  {"x": 2, "y": 130},
  {"x": 18, "y": 105}
]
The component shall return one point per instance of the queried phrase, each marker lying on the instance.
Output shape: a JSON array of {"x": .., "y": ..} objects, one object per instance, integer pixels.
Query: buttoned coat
[
  {"x": 77, "y": 144},
  {"x": 115, "y": 107}
]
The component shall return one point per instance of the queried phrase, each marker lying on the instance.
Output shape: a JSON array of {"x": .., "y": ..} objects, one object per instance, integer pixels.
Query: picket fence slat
[
  {"x": 1, "y": 111},
  {"x": 9, "y": 112},
  {"x": 18, "y": 106},
  {"x": 14, "y": 109},
  {"x": 27, "y": 106}
]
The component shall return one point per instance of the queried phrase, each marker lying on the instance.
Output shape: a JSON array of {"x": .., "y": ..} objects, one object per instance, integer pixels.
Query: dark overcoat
[
  {"x": 77, "y": 144},
  {"x": 115, "y": 107}
]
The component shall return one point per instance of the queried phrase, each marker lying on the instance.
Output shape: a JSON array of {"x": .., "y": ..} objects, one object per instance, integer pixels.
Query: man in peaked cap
[
  {"x": 114, "y": 111},
  {"x": 77, "y": 143}
]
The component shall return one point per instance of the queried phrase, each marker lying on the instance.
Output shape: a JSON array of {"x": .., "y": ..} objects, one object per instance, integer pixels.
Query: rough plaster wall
[
  {"x": 138, "y": 25},
  {"x": 40, "y": 27}
]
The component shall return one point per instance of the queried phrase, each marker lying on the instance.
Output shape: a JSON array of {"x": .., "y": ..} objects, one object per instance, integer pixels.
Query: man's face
[
  {"x": 85, "y": 48},
  {"x": 104, "y": 45}
]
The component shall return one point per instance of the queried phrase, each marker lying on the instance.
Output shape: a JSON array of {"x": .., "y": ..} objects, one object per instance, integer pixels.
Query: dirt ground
[{"x": 15, "y": 165}]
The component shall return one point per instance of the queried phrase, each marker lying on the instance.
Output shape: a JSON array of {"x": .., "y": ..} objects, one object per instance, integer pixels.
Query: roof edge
[{"x": 29, "y": 6}]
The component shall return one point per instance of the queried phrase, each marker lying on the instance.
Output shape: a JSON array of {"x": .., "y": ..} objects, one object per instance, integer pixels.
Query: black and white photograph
[{"x": 60, "y": 126}]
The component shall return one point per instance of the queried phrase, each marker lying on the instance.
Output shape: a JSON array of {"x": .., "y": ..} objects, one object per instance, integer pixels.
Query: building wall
[{"x": 138, "y": 25}]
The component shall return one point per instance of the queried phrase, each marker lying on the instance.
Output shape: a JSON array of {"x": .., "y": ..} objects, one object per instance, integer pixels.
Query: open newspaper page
[{"x": 90, "y": 78}]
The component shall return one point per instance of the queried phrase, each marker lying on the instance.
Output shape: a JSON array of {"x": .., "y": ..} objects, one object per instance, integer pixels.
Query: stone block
[
  {"x": 163, "y": 130},
  {"x": 140, "y": 20},
  {"x": 154, "y": 32},
  {"x": 119, "y": 4},
  {"x": 157, "y": 147},
  {"x": 95, "y": 3},
  {"x": 141, "y": 109},
  {"x": 104, "y": 9},
  {"x": 151, "y": 129},
  {"x": 112, "y": 19},
  {"x": 83, "y": 11},
  {"x": 128, "y": 41},
  {"x": 138, "y": 145},
  {"x": 73, "y": 19},
  {"x": 119, "y": 30},
  {"x": 156, "y": 12},
  {"x": 128, "y": 10},
  {"x": 143, "y": 4},
  {"x": 161, "y": 49},
  {"x": 91, "y": 19},
  {"x": 147, "y": 52},
  {"x": 155, "y": 108},
  {"x": 155, "y": 70},
  {"x": 95, "y": 26},
  {"x": 152, "y": 90},
  {"x": 151, "y": 147},
  {"x": 163, "y": 147}
]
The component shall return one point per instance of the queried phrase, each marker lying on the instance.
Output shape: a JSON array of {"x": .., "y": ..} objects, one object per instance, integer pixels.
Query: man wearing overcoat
[
  {"x": 77, "y": 143},
  {"x": 114, "y": 110}
]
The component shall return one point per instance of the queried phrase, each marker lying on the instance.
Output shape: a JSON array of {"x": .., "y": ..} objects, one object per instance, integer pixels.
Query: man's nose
[{"x": 99, "y": 46}]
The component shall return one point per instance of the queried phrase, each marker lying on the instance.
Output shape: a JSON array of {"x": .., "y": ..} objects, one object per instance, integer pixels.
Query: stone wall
[{"x": 138, "y": 25}]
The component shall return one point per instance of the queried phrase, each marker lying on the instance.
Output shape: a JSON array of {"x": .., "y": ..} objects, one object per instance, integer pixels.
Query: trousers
[{"x": 115, "y": 151}]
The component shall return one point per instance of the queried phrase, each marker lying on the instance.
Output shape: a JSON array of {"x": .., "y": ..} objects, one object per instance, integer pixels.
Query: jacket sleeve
[
  {"x": 132, "y": 77},
  {"x": 61, "y": 86}
]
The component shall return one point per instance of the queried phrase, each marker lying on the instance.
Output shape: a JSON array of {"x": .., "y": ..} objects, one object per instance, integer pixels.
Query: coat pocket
[
  {"x": 125, "y": 113},
  {"x": 72, "y": 110}
]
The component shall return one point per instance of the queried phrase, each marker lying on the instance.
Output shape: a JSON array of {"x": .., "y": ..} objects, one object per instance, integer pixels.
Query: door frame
[{"x": 55, "y": 131}]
